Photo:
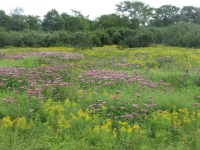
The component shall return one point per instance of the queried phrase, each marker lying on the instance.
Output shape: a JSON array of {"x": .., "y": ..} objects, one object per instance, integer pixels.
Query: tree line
[{"x": 134, "y": 24}]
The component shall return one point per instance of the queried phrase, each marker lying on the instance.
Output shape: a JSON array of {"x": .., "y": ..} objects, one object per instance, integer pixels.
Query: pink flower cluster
[
  {"x": 61, "y": 55},
  {"x": 111, "y": 77}
]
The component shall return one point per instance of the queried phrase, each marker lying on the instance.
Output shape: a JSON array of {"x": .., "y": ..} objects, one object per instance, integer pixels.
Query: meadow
[{"x": 103, "y": 98}]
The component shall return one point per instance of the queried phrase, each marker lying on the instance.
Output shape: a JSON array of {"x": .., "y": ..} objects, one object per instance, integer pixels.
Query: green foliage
[
  {"x": 18, "y": 21},
  {"x": 82, "y": 40},
  {"x": 108, "y": 21},
  {"x": 139, "y": 12},
  {"x": 53, "y": 21},
  {"x": 166, "y": 15},
  {"x": 190, "y": 14},
  {"x": 34, "y": 22},
  {"x": 4, "y": 19},
  {"x": 185, "y": 35},
  {"x": 103, "y": 37},
  {"x": 4, "y": 38}
]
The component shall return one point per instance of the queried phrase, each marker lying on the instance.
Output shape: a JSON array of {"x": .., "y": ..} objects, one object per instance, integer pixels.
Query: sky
[{"x": 93, "y": 8}]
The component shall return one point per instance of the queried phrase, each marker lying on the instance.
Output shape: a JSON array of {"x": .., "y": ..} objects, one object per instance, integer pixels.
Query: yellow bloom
[
  {"x": 123, "y": 129},
  {"x": 136, "y": 127},
  {"x": 129, "y": 129},
  {"x": 21, "y": 123},
  {"x": 63, "y": 123},
  {"x": 96, "y": 129},
  {"x": 114, "y": 134},
  {"x": 67, "y": 102},
  {"x": 123, "y": 123},
  {"x": 73, "y": 104},
  {"x": 103, "y": 107},
  {"x": 6, "y": 122}
]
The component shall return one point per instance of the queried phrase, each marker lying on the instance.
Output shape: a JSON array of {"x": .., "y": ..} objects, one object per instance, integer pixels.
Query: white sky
[{"x": 93, "y": 8}]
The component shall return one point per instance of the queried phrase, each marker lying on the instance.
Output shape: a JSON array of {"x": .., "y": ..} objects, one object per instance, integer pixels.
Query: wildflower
[
  {"x": 136, "y": 127},
  {"x": 37, "y": 90},
  {"x": 117, "y": 92},
  {"x": 129, "y": 129},
  {"x": 119, "y": 103},
  {"x": 137, "y": 95},
  {"x": 135, "y": 105},
  {"x": 31, "y": 111},
  {"x": 21, "y": 123},
  {"x": 143, "y": 110},
  {"x": 104, "y": 103},
  {"x": 123, "y": 123},
  {"x": 122, "y": 108},
  {"x": 175, "y": 127},
  {"x": 16, "y": 91},
  {"x": 6, "y": 122},
  {"x": 123, "y": 129},
  {"x": 112, "y": 107},
  {"x": 100, "y": 105},
  {"x": 104, "y": 108},
  {"x": 114, "y": 133},
  {"x": 115, "y": 97},
  {"x": 100, "y": 101}
]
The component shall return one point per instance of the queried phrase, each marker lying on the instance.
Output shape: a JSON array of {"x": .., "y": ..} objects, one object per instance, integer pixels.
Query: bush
[
  {"x": 4, "y": 38},
  {"x": 185, "y": 35},
  {"x": 82, "y": 40},
  {"x": 103, "y": 37}
]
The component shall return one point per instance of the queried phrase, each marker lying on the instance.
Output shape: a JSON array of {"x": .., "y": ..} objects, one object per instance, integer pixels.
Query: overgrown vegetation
[
  {"x": 100, "y": 98},
  {"x": 134, "y": 24}
]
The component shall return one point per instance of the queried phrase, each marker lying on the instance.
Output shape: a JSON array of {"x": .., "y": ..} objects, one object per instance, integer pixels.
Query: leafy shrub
[{"x": 82, "y": 40}]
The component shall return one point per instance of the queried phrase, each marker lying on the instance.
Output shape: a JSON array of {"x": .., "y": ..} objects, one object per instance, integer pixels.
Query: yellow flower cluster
[
  {"x": 106, "y": 126},
  {"x": 176, "y": 118},
  {"x": 6, "y": 122},
  {"x": 69, "y": 103},
  {"x": 82, "y": 114},
  {"x": 126, "y": 128},
  {"x": 52, "y": 108},
  {"x": 18, "y": 123}
]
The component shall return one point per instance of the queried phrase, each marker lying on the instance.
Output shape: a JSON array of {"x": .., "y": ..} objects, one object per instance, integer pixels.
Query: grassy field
[{"x": 100, "y": 99}]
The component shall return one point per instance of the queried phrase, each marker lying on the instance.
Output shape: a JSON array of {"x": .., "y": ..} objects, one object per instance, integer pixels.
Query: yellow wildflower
[
  {"x": 129, "y": 129},
  {"x": 103, "y": 107},
  {"x": 123, "y": 129},
  {"x": 123, "y": 123},
  {"x": 96, "y": 129},
  {"x": 6, "y": 122},
  {"x": 136, "y": 127},
  {"x": 67, "y": 102},
  {"x": 114, "y": 134},
  {"x": 21, "y": 123}
]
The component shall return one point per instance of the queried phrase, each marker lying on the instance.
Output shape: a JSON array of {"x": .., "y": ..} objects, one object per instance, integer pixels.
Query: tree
[
  {"x": 4, "y": 20},
  {"x": 78, "y": 21},
  {"x": 191, "y": 14},
  {"x": 17, "y": 20},
  {"x": 110, "y": 20},
  {"x": 66, "y": 17},
  {"x": 53, "y": 21},
  {"x": 135, "y": 12},
  {"x": 166, "y": 15},
  {"x": 34, "y": 22}
]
